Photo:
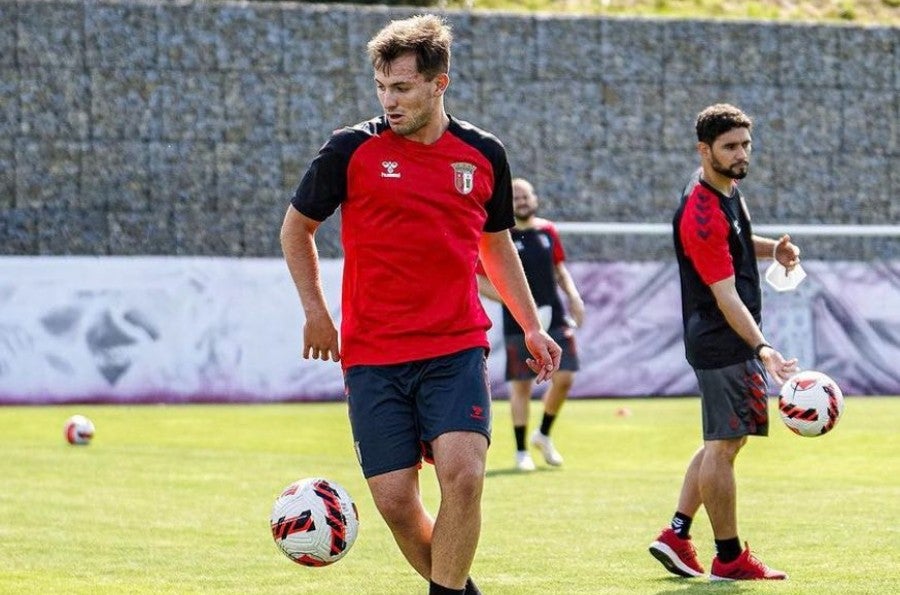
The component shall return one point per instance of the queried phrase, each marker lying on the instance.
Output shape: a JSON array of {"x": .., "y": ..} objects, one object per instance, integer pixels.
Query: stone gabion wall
[{"x": 182, "y": 128}]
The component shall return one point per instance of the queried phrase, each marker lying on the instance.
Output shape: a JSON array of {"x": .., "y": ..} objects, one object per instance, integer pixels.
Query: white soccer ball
[
  {"x": 314, "y": 522},
  {"x": 79, "y": 430},
  {"x": 810, "y": 403}
]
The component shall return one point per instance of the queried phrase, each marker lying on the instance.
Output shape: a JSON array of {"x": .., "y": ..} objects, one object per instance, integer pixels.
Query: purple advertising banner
[
  {"x": 164, "y": 329},
  {"x": 843, "y": 320}
]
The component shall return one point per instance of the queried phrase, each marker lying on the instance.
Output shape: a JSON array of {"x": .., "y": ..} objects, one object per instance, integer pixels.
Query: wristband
[
  {"x": 775, "y": 252},
  {"x": 759, "y": 348}
]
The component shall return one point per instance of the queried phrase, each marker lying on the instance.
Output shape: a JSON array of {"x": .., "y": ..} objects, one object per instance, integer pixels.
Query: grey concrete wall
[{"x": 135, "y": 127}]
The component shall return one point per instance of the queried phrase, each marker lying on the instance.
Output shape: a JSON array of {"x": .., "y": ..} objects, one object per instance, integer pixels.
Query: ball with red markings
[
  {"x": 810, "y": 403},
  {"x": 314, "y": 522},
  {"x": 79, "y": 430}
]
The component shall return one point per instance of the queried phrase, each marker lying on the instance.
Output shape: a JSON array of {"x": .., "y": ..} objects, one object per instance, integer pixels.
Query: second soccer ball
[
  {"x": 78, "y": 430},
  {"x": 810, "y": 403}
]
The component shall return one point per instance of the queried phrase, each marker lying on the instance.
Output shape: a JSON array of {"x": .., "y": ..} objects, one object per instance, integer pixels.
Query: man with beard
[
  {"x": 542, "y": 255},
  {"x": 721, "y": 304}
]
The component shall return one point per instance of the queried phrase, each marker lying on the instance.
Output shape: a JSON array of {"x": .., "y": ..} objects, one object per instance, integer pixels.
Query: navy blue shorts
[
  {"x": 397, "y": 410},
  {"x": 734, "y": 401},
  {"x": 517, "y": 352}
]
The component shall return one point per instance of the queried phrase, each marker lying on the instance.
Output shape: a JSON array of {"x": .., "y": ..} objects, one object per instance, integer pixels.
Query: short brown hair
[
  {"x": 718, "y": 119},
  {"x": 427, "y": 36}
]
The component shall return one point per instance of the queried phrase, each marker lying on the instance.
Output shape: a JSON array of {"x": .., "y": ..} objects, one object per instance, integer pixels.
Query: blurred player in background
[
  {"x": 721, "y": 305},
  {"x": 542, "y": 255},
  {"x": 423, "y": 196}
]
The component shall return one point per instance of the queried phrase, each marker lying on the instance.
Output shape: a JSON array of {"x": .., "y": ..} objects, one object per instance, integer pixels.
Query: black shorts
[
  {"x": 517, "y": 353},
  {"x": 397, "y": 410},
  {"x": 734, "y": 401}
]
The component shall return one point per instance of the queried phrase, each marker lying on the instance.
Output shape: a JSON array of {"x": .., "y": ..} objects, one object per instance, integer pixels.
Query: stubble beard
[
  {"x": 524, "y": 216},
  {"x": 412, "y": 126}
]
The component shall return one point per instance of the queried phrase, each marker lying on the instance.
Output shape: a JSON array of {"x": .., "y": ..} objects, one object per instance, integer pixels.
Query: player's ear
[
  {"x": 441, "y": 81},
  {"x": 704, "y": 149}
]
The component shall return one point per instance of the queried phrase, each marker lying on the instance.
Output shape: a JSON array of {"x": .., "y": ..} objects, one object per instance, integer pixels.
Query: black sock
[
  {"x": 471, "y": 589},
  {"x": 519, "y": 431},
  {"x": 436, "y": 589},
  {"x": 681, "y": 524},
  {"x": 546, "y": 423},
  {"x": 728, "y": 550}
]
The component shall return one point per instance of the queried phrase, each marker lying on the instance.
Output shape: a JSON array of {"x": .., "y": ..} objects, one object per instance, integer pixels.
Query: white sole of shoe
[
  {"x": 713, "y": 579},
  {"x": 671, "y": 561}
]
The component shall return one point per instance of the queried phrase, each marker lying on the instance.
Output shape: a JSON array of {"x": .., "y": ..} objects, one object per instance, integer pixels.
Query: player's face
[
  {"x": 409, "y": 101},
  {"x": 524, "y": 202},
  {"x": 730, "y": 154}
]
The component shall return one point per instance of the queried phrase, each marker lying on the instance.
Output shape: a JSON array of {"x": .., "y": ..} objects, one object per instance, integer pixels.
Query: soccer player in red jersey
[
  {"x": 423, "y": 196},
  {"x": 543, "y": 258},
  {"x": 721, "y": 306}
]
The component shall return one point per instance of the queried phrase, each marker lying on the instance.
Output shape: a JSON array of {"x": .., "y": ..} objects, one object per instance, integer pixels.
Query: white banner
[
  {"x": 176, "y": 329},
  {"x": 162, "y": 329}
]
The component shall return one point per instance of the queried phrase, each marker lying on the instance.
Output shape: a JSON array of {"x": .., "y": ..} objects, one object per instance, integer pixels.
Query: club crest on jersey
[
  {"x": 463, "y": 177},
  {"x": 389, "y": 167}
]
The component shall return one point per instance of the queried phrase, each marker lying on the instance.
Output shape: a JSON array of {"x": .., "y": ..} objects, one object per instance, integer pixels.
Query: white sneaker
[
  {"x": 551, "y": 455},
  {"x": 523, "y": 461}
]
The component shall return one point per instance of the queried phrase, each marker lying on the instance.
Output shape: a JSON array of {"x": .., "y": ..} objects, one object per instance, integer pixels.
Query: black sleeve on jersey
[
  {"x": 500, "y": 206},
  {"x": 324, "y": 185}
]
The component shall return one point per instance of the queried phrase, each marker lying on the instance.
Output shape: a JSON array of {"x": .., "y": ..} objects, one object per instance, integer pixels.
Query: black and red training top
[
  {"x": 411, "y": 219},
  {"x": 713, "y": 241}
]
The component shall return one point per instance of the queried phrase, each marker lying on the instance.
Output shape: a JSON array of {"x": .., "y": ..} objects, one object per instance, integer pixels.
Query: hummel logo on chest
[{"x": 389, "y": 167}]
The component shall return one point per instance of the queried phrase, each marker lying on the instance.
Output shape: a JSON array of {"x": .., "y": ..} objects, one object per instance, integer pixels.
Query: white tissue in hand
[
  {"x": 780, "y": 279},
  {"x": 545, "y": 315}
]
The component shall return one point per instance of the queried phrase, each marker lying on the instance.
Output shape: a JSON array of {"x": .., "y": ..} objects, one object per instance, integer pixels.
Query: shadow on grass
[
  {"x": 514, "y": 471},
  {"x": 674, "y": 585}
]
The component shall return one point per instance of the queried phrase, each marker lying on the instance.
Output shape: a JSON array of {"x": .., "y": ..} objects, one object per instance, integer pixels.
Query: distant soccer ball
[
  {"x": 810, "y": 403},
  {"x": 79, "y": 430},
  {"x": 314, "y": 522}
]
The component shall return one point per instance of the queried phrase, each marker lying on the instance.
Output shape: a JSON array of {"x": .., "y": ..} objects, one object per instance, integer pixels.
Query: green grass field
[{"x": 176, "y": 499}]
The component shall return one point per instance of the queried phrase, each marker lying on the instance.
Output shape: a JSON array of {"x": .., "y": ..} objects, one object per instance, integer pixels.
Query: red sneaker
[
  {"x": 676, "y": 554},
  {"x": 747, "y": 567}
]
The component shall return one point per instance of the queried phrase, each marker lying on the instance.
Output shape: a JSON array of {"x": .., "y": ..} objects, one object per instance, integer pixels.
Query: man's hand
[
  {"x": 778, "y": 368},
  {"x": 786, "y": 253},
  {"x": 320, "y": 339},
  {"x": 576, "y": 309},
  {"x": 546, "y": 355}
]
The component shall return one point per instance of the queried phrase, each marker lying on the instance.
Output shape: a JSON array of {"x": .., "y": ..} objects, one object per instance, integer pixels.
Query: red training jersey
[{"x": 411, "y": 219}]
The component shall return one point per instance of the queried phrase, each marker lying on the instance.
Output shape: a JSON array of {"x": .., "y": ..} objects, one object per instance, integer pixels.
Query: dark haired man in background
[{"x": 721, "y": 306}]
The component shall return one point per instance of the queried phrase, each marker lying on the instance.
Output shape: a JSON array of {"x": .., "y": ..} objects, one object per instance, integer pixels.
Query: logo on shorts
[{"x": 477, "y": 412}]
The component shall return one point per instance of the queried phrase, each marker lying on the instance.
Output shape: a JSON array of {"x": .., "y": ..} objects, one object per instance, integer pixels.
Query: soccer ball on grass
[
  {"x": 79, "y": 430},
  {"x": 314, "y": 522},
  {"x": 810, "y": 403}
]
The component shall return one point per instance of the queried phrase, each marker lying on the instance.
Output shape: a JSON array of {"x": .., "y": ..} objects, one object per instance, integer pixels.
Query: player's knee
[
  {"x": 463, "y": 481},
  {"x": 724, "y": 449},
  {"x": 397, "y": 511},
  {"x": 563, "y": 381}
]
